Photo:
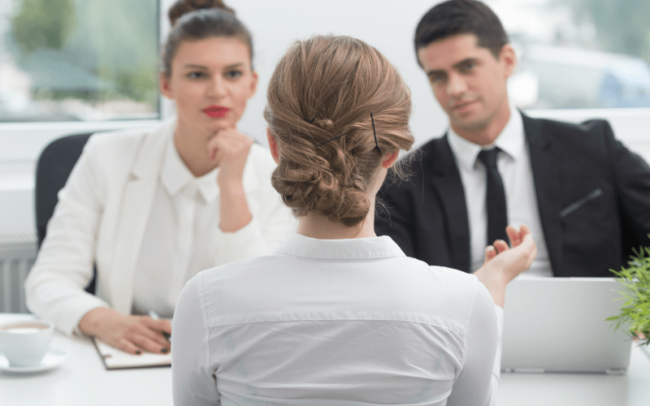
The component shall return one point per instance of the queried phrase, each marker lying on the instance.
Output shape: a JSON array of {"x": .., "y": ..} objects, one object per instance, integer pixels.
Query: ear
[
  {"x": 389, "y": 160},
  {"x": 508, "y": 57},
  {"x": 165, "y": 86},
  {"x": 253, "y": 84},
  {"x": 273, "y": 146}
]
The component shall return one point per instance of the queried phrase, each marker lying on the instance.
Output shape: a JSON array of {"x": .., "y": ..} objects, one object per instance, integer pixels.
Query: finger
[
  {"x": 222, "y": 147},
  {"x": 127, "y": 346},
  {"x": 501, "y": 246},
  {"x": 160, "y": 325},
  {"x": 514, "y": 235},
  {"x": 529, "y": 247},
  {"x": 157, "y": 337},
  {"x": 149, "y": 333},
  {"x": 150, "y": 345},
  {"x": 525, "y": 231},
  {"x": 528, "y": 240},
  {"x": 213, "y": 147},
  {"x": 490, "y": 253}
]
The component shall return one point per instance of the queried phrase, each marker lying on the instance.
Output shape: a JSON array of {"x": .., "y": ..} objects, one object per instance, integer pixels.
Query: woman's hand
[
  {"x": 131, "y": 334},
  {"x": 502, "y": 264},
  {"x": 229, "y": 149}
]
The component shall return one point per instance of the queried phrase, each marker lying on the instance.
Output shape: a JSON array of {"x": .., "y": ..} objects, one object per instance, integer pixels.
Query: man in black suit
[{"x": 584, "y": 195}]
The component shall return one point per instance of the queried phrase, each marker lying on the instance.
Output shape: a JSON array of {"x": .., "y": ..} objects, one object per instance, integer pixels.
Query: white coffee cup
[{"x": 25, "y": 342}]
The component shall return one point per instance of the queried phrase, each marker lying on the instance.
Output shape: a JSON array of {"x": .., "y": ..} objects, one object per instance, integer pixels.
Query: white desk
[
  {"x": 631, "y": 389},
  {"x": 83, "y": 381}
]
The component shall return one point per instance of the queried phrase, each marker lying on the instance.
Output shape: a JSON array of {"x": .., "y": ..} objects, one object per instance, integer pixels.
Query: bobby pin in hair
[
  {"x": 374, "y": 133},
  {"x": 331, "y": 139}
]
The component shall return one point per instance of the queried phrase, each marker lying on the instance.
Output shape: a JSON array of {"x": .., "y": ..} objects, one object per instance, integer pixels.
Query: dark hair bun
[{"x": 182, "y": 7}]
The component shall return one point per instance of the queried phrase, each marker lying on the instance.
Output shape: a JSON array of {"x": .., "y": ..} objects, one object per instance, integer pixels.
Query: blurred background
[
  {"x": 94, "y": 60},
  {"x": 72, "y": 66},
  {"x": 78, "y": 60}
]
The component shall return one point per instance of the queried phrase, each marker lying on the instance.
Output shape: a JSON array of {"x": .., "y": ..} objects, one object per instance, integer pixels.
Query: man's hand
[
  {"x": 131, "y": 334},
  {"x": 502, "y": 264}
]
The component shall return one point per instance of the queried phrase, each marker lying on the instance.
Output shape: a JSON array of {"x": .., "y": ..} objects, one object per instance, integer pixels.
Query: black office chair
[{"x": 54, "y": 166}]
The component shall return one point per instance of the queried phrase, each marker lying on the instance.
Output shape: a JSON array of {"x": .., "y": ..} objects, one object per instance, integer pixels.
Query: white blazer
[{"x": 102, "y": 215}]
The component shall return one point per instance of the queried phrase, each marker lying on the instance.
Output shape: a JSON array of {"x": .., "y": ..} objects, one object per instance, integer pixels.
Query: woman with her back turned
[
  {"x": 151, "y": 208},
  {"x": 337, "y": 315}
]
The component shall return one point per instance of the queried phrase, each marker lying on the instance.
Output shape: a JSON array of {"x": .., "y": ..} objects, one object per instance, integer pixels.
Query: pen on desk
[{"x": 154, "y": 316}]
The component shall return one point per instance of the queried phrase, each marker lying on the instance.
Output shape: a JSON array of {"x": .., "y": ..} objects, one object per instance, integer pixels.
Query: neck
[
  {"x": 191, "y": 143},
  {"x": 486, "y": 133},
  {"x": 317, "y": 225}
]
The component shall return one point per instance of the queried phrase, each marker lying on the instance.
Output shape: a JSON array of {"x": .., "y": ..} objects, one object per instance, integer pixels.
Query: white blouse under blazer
[
  {"x": 103, "y": 215},
  {"x": 333, "y": 323}
]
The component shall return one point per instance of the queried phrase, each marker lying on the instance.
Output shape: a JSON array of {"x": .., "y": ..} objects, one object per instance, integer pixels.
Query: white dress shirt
[
  {"x": 180, "y": 235},
  {"x": 521, "y": 198},
  {"x": 335, "y": 322}
]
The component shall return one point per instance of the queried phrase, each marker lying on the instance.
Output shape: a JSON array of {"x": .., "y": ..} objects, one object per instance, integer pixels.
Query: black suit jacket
[{"x": 593, "y": 196}]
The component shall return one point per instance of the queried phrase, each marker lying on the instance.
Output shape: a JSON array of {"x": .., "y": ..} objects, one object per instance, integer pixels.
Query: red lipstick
[{"x": 216, "y": 111}]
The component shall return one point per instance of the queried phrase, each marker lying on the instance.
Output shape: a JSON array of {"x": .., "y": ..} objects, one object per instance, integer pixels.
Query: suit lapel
[
  {"x": 137, "y": 201},
  {"x": 545, "y": 164},
  {"x": 446, "y": 181}
]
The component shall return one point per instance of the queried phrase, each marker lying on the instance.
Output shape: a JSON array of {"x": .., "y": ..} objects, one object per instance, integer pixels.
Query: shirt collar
[
  {"x": 511, "y": 141},
  {"x": 358, "y": 248},
  {"x": 175, "y": 176}
]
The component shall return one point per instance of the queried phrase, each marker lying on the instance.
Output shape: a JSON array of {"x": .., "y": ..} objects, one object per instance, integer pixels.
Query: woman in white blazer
[
  {"x": 337, "y": 315},
  {"x": 153, "y": 208}
]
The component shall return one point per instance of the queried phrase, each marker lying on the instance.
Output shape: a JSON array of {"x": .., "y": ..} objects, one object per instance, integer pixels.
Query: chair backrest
[{"x": 52, "y": 171}]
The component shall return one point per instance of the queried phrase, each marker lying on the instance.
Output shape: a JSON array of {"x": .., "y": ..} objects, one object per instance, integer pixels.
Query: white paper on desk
[{"x": 118, "y": 359}]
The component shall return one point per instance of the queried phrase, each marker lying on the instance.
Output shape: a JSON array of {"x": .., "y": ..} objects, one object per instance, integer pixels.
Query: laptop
[{"x": 558, "y": 325}]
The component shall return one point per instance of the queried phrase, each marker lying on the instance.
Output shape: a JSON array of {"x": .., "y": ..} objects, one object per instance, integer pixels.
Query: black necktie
[{"x": 495, "y": 198}]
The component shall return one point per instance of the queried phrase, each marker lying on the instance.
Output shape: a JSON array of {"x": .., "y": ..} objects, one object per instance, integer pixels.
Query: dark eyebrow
[
  {"x": 436, "y": 72},
  {"x": 190, "y": 66},
  {"x": 201, "y": 67},
  {"x": 456, "y": 66}
]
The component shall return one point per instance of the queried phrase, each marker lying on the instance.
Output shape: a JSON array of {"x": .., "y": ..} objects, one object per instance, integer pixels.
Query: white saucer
[{"x": 52, "y": 359}]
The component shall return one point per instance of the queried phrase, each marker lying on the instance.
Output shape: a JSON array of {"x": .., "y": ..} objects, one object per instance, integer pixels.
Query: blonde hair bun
[{"x": 320, "y": 100}]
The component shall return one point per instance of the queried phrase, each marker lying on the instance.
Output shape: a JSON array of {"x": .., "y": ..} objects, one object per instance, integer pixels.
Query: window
[
  {"x": 579, "y": 53},
  {"x": 78, "y": 60}
]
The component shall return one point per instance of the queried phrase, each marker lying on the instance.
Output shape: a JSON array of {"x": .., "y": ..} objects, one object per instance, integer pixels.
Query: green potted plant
[{"x": 635, "y": 310}]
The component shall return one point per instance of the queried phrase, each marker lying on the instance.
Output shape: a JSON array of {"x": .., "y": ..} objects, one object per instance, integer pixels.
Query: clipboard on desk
[{"x": 115, "y": 359}]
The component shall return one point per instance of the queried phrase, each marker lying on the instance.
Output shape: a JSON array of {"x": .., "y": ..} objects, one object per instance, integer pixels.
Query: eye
[
  {"x": 468, "y": 66},
  {"x": 234, "y": 74},
  {"x": 437, "y": 77},
  {"x": 196, "y": 75}
]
